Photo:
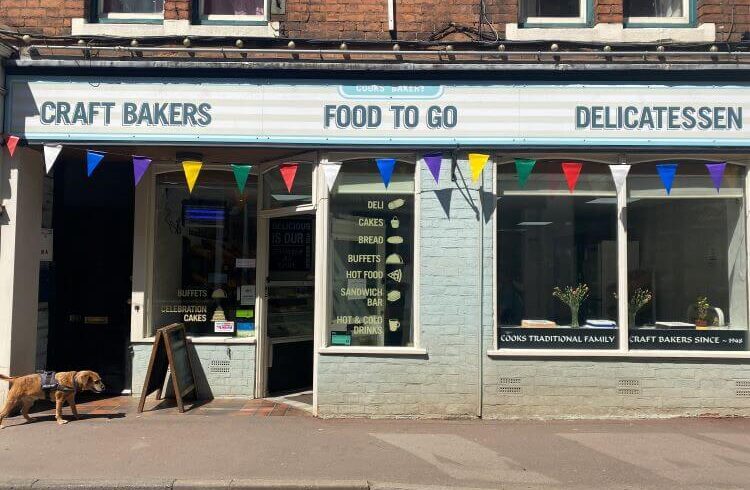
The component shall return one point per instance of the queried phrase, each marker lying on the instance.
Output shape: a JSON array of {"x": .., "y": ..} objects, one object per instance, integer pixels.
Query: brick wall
[{"x": 456, "y": 20}]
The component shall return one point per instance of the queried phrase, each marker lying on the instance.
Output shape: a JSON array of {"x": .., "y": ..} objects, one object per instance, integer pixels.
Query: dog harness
[{"x": 50, "y": 384}]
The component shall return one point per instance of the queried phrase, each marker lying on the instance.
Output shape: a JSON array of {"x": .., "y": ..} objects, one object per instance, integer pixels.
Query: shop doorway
[
  {"x": 290, "y": 305},
  {"x": 93, "y": 252}
]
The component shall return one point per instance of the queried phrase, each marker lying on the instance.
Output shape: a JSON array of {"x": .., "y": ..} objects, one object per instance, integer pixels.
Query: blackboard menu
[{"x": 291, "y": 244}]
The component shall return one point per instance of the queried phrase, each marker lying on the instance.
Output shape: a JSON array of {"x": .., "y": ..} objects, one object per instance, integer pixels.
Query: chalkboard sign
[
  {"x": 169, "y": 351},
  {"x": 291, "y": 244}
]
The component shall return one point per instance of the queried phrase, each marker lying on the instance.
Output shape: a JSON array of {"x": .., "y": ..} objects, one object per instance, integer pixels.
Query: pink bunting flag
[
  {"x": 716, "y": 171},
  {"x": 288, "y": 173},
  {"x": 11, "y": 142},
  {"x": 572, "y": 171}
]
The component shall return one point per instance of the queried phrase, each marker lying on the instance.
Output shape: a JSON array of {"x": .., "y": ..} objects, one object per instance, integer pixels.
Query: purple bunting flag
[
  {"x": 667, "y": 172},
  {"x": 433, "y": 163},
  {"x": 716, "y": 171},
  {"x": 140, "y": 165}
]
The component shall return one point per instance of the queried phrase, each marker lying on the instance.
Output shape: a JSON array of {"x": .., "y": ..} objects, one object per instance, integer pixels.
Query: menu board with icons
[{"x": 372, "y": 269}]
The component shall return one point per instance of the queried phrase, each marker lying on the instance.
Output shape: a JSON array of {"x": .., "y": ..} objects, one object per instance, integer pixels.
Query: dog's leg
[
  {"x": 71, "y": 399},
  {"x": 25, "y": 410},
  {"x": 10, "y": 404},
  {"x": 58, "y": 408}
]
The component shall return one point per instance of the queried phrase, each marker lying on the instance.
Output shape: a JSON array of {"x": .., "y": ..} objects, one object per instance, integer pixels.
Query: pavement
[{"x": 218, "y": 445}]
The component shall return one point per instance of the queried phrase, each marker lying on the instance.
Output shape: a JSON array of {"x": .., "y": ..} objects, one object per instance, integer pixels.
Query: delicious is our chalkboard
[{"x": 170, "y": 352}]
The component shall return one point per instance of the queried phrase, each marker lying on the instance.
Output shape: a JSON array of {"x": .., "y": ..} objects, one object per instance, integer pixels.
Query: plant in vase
[
  {"x": 573, "y": 297},
  {"x": 701, "y": 311},
  {"x": 640, "y": 298}
]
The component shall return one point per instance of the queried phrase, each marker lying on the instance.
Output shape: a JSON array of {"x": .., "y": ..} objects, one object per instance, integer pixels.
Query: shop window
[
  {"x": 233, "y": 10},
  {"x": 128, "y": 9},
  {"x": 204, "y": 254},
  {"x": 557, "y": 259},
  {"x": 687, "y": 266},
  {"x": 657, "y": 11},
  {"x": 553, "y": 11},
  {"x": 371, "y": 256},
  {"x": 277, "y": 195}
]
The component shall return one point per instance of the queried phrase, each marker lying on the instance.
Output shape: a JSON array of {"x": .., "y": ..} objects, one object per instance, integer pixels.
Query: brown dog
[{"x": 28, "y": 389}]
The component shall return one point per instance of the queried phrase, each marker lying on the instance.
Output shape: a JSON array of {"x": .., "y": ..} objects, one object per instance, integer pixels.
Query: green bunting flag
[
  {"x": 524, "y": 167},
  {"x": 241, "y": 172}
]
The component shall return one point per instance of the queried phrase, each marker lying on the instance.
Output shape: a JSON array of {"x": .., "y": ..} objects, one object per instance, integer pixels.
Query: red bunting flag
[
  {"x": 11, "y": 142},
  {"x": 572, "y": 171},
  {"x": 288, "y": 173}
]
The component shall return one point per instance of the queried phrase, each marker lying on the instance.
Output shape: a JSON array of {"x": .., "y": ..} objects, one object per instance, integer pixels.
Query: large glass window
[
  {"x": 205, "y": 254},
  {"x": 371, "y": 256},
  {"x": 659, "y": 11},
  {"x": 552, "y": 11},
  {"x": 131, "y": 8},
  {"x": 557, "y": 259},
  {"x": 687, "y": 274},
  {"x": 218, "y": 9}
]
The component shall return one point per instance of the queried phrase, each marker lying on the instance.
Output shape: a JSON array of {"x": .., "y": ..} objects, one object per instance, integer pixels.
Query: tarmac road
[{"x": 134, "y": 451}]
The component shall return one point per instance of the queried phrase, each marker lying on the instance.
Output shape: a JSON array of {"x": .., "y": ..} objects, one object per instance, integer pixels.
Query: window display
[
  {"x": 687, "y": 277},
  {"x": 557, "y": 263},
  {"x": 372, "y": 257},
  {"x": 205, "y": 254}
]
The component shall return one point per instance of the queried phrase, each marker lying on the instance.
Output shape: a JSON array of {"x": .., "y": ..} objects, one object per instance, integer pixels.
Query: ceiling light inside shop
[
  {"x": 291, "y": 197},
  {"x": 610, "y": 200},
  {"x": 534, "y": 223}
]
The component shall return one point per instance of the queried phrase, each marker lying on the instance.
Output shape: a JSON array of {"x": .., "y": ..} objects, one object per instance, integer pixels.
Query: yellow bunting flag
[
  {"x": 191, "y": 168},
  {"x": 477, "y": 161}
]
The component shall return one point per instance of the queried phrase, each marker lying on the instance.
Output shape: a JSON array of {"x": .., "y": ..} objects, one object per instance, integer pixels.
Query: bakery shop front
[{"x": 389, "y": 247}]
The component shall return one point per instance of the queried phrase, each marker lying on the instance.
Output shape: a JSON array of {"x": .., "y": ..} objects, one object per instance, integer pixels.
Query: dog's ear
[{"x": 86, "y": 379}]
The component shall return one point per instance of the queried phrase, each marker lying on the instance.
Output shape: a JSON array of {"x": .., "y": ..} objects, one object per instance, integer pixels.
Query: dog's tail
[{"x": 6, "y": 378}]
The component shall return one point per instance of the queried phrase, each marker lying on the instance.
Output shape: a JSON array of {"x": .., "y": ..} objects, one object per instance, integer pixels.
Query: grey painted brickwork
[{"x": 221, "y": 370}]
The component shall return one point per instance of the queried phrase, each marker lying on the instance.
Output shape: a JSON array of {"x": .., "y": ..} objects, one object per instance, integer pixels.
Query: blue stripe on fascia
[{"x": 318, "y": 141}]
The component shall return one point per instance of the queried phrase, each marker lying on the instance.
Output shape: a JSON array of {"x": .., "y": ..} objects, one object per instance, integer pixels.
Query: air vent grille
[
  {"x": 628, "y": 387},
  {"x": 219, "y": 367},
  {"x": 509, "y": 390},
  {"x": 742, "y": 388},
  {"x": 509, "y": 386}
]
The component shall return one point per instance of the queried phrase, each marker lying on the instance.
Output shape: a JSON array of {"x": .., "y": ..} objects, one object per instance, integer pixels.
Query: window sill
[
  {"x": 205, "y": 340},
  {"x": 134, "y": 20},
  {"x": 662, "y": 354},
  {"x": 612, "y": 33},
  {"x": 128, "y": 28},
  {"x": 379, "y": 351}
]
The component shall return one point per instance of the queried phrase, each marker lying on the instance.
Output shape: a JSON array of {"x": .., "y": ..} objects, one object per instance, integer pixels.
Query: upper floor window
[
  {"x": 553, "y": 11},
  {"x": 128, "y": 9},
  {"x": 657, "y": 11},
  {"x": 234, "y": 9}
]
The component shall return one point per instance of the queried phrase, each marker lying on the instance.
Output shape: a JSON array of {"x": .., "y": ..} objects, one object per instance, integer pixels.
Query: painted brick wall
[
  {"x": 445, "y": 382},
  {"x": 456, "y": 20},
  {"x": 238, "y": 382}
]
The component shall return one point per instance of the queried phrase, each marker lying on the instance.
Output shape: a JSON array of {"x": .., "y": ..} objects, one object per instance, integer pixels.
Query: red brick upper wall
[{"x": 367, "y": 19}]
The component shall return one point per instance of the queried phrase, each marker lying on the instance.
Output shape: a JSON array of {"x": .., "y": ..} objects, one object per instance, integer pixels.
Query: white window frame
[
  {"x": 683, "y": 19},
  {"x": 115, "y": 16},
  {"x": 623, "y": 350},
  {"x": 581, "y": 19},
  {"x": 416, "y": 348},
  {"x": 234, "y": 18}
]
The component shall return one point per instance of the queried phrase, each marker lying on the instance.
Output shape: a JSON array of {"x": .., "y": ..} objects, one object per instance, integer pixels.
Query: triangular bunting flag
[
  {"x": 433, "y": 163},
  {"x": 11, "y": 142},
  {"x": 241, "y": 173},
  {"x": 477, "y": 161},
  {"x": 524, "y": 167},
  {"x": 51, "y": 152},
  {"x": 330, "y": 172},
  {"x": 572, "y": 171},
  {"x": 288, "y": 173},
  {"x": 619, "y": 174},
  {"x": 386, "y": 166},
  {"x": 140, "y": 165},
  {"x": 191, "y": 168},
  {"x": 93, "y": 158},
  {"x": 667, "y": 172},
  {"x": 716, "y": 171}
]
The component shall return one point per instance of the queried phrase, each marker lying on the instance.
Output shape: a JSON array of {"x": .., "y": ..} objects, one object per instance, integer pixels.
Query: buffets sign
[{"x": 414, "y": 113}]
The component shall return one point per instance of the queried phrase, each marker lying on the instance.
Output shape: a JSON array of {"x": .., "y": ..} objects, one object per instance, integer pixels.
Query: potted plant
[
  {"x": 573, "y": 297},
  {"x": 701, "y": 311},
  {"x": 640, "y": 298}
]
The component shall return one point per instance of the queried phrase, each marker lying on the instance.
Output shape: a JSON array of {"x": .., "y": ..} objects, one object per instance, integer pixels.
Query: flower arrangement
[
  {"x": 701, "y": 310},
  {"x": 640, "y": 298},
  {"x": 573, "y": 297}
]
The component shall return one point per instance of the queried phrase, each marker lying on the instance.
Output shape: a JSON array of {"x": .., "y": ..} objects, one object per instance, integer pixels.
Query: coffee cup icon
[{"x": 394, "y": 325}]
